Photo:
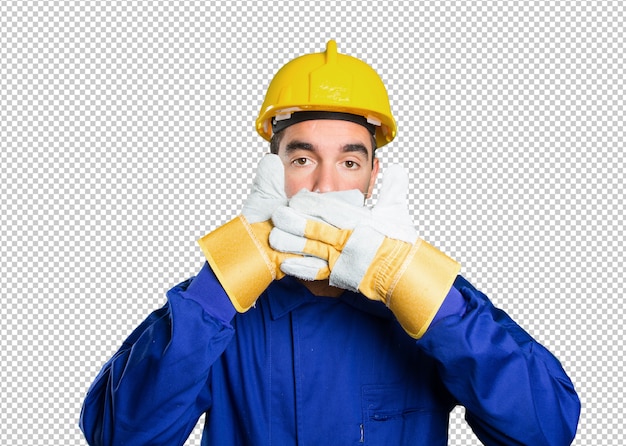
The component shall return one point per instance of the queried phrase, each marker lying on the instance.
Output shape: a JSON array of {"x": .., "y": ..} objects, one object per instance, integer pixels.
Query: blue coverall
[{"x": 298, "y": 369}]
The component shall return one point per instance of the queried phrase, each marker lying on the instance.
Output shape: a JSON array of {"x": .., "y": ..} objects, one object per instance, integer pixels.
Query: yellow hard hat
[{"x": 328, "y": 82}]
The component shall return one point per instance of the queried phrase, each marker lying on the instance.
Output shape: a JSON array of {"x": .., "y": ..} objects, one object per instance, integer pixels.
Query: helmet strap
[{"x": 282, "y": 124}]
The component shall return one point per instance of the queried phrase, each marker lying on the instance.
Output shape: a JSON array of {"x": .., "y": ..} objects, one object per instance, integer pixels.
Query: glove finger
[
  {"x": 343, "y": 209},
  {"x": 289, "y": 220},
  {"x": 391, "y": 213},
  {"x": 288, "y": 243},
  {"x": 285, "y": 242},
  {"x": 292, "y": 222},
  {"x": 394, "y": 189},
  {"x": 268, "y": 190},
  {"x": 307, "y": 268}
]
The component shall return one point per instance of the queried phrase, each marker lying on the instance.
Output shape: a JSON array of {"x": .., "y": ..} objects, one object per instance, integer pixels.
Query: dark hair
[
  {"x": 278, "y": 137},
  {"x": 275, "y": 142}
]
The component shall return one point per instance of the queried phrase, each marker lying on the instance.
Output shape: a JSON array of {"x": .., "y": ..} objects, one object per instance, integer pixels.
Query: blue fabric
[
  {"x": 453, "y": 305},
  {"x": 301, "y": 369}
]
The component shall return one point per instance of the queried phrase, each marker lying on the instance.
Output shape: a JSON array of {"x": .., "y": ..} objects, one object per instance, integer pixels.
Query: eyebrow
[{"x": 300, "y": 145}]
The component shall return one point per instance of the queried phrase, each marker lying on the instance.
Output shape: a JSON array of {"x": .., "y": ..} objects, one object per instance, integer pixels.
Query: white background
[{"x": 126, "y": 132}]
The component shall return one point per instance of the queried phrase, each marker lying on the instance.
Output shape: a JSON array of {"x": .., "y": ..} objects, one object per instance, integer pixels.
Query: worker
[{"x": 319, "y": 319}]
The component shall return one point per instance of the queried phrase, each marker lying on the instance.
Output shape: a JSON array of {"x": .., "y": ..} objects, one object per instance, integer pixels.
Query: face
[{"x": 326, "y": 156}]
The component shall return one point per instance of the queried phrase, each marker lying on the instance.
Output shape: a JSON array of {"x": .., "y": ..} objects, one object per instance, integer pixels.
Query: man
[{"x": 318, "y": 320}]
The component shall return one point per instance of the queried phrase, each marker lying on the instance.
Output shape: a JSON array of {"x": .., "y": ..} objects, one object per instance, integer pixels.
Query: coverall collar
[{"x": 288, "y": 294}]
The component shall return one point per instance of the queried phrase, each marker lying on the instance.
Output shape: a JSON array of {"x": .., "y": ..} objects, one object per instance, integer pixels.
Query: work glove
[
  {"x": 374, "y": 251},
  {"x": 239, "y": 253}
]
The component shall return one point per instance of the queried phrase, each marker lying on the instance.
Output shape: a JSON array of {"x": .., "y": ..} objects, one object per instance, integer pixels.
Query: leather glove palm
[
  {"x": 239, "y": 252},
  {"x": 375, "y": 251}
]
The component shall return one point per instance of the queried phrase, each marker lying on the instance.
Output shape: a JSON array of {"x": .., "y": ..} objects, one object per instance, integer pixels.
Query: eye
[
  {"x": 351, "y": 164},
  {"x": 300, "y": 161}
]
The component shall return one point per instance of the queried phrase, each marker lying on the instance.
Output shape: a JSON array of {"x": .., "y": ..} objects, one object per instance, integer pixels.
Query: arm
[
  {"x": 154, "y": 389},
  {"x": 376, "y": 251},
  {"x": 514, "y": 390}
]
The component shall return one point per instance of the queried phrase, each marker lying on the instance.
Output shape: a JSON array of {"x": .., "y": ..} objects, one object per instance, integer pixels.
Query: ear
[{"x": 374, "y": 175}]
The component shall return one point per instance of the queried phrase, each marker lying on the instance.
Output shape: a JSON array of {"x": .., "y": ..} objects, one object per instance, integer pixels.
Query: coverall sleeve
[
  {"x": 154, "y": 389},
  {"x": 514, "y": 390}
]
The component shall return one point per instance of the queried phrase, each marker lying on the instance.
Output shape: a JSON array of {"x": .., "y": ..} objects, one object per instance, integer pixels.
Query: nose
[{"x": 326, "y": 179}]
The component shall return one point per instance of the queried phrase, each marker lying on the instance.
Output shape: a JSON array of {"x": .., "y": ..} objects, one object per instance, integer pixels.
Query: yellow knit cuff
[{"x": 238, "y": 261}]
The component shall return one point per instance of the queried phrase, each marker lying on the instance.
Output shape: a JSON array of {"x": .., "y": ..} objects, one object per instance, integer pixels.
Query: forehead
[{"x": 328, "y": 133}]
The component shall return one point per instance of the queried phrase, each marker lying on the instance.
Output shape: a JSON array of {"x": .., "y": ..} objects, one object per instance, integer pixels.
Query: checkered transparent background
[{"x": 126, "y": 133}]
